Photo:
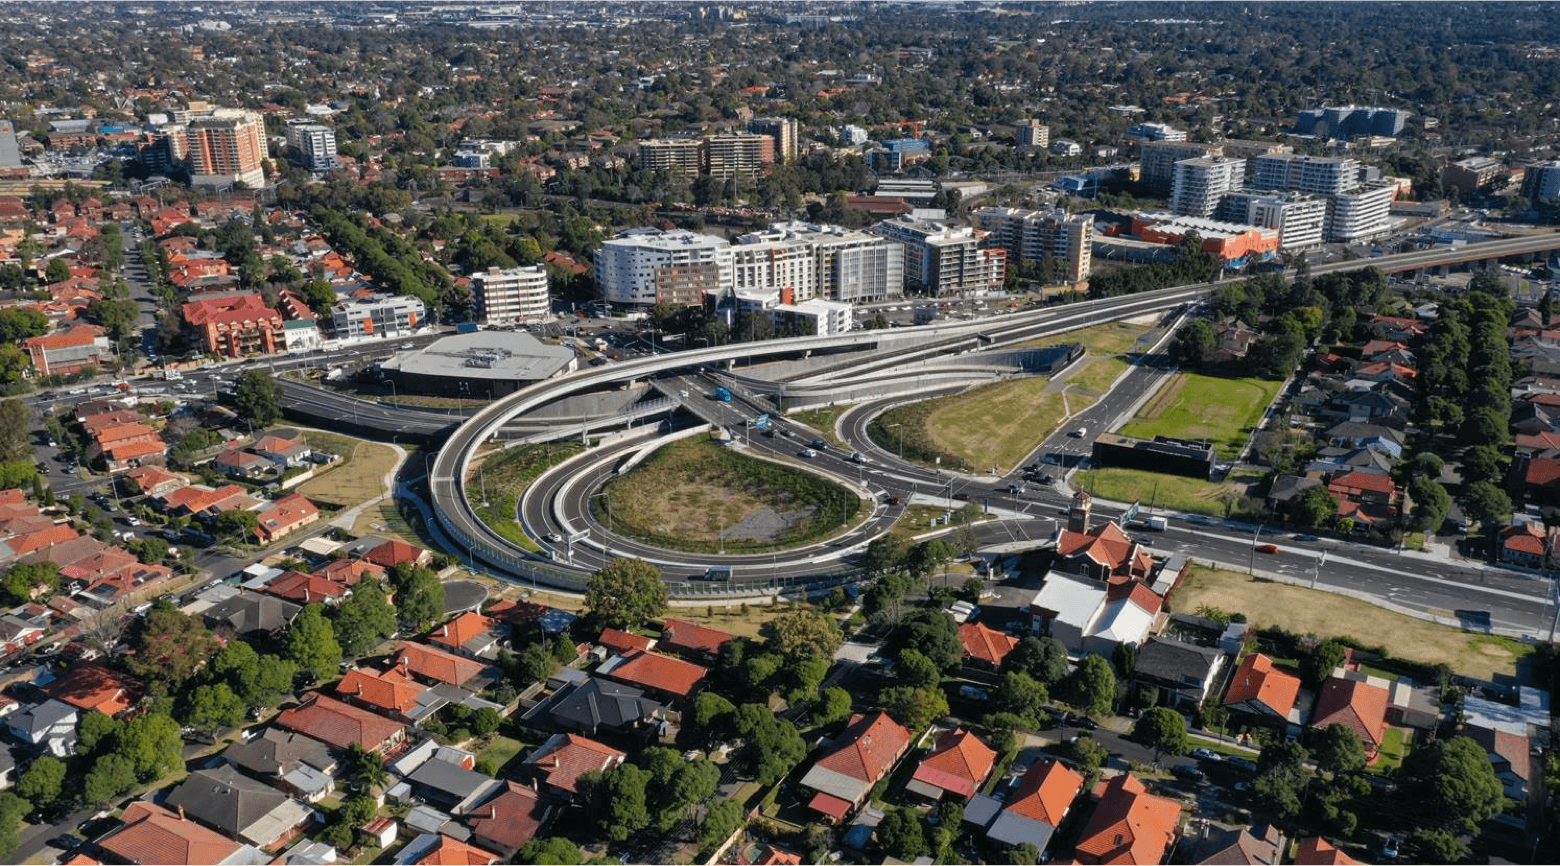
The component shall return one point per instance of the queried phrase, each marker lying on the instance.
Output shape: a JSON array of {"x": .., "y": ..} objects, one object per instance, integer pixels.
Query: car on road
[
  {"x": 1392, "y": 847},
  {"x": 1246, "y": 764},
  {"x": 1200, "y": 520},
  {"x": 1187, "y": 772},
  {"x": 1267, "y": 548},
  {"x": 808, "y": 453},
  {"x": 1207, "y": 755},
  {"x": 896, "y": 500},
  {"x": 1079, "y": 433},
  {"x": 820, "y": 445},
  {"x": 962, "y": 497},
  {"x": 1303, "y": 537},
  {"x": 858, "y": 457},
  {"x": 555, "y": 538}
]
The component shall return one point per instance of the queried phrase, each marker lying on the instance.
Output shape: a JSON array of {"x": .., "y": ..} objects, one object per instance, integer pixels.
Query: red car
[{"x": 1267, "y": 548}]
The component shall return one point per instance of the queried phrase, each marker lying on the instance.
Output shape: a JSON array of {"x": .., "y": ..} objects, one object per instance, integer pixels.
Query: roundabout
[{"x": 563, "y": 513}]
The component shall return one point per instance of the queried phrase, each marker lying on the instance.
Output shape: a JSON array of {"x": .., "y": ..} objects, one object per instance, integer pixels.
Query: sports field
[{"x": 1194, "y": 406}]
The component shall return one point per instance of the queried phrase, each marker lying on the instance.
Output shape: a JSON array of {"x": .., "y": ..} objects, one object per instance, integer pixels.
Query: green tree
[
  {"x": 1486, "y": 504},
  {"x": 771, "y": 745},
  {"x": 901, "y": 835},
  {"x": 1320, "y": 663},
  {"x": 485, "y": 721},
  {"x": 1089, "y": 754},
  {"x": 1314, "y": 507},
  {"x": 1281, "y": 778},
  {"x": 1339, "y": 750},
  {"x": 1195, "y": 344},
  {"x": 419, "y": 596},
  {"x": 96, "y": 728},
  {"x": 1433, "y": 845},
  {"x": 239, "y": 525},
  {"x": 1163, "y": 730},
  {"x": 319, "y": 296},
  {"x": 16, "y": 426},
  {"x": 311, "y": 642},
  {"x": 364, "y": 619},
  {"x": 118, "y": 316},
  {"x": 30, "y": 580},
  {"x": 58, "y": 271},
  {"x": 886, "y": 553},
  {"x": 109, "y": 777},
  {"x": 723, "y": 819},
  {"x": 257, "y": 399},
  {"x": 152, "y": 744},
  {"x": 706, "y": 722},
  {"x": 171, "y": 646},
  {"x": 1431, "y": 503},
  {"x": 834, "y": 705},
  {"x": 212, "y": 707},
  {"x": 915, "y": 708},
  {"x": 1451, "y": 785},
  {"x": 1043, "y": 658},
  {"x": 916, "y": 670},
  {"x": 1483, "y": 463},
  {"x": 42, "y": 783},
  {"x": 800, "y": 633},
  {"x": 626, "y": 593},
  {"x": 551, "y": 851},
  {"x": 1092, "y": 687},
  {"x": 364, "y": 768},
  {"x": 1022, "y": 695},
  {"x": 12, "y": 811},
  {"x": 934, "y": 634},
  {"x": 618, "y": 802}
]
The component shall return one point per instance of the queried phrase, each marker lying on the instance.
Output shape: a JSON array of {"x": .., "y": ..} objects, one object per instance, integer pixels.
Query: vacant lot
[
  {"x": 997, "y": 424},
  {"x": 1194, "y": 406},
  {"x": 1308, "y": 611},
  {"x": 1163, "y": 490},
  {"x": 698, "y": 495},
  {"x": 359, "y": 477}
]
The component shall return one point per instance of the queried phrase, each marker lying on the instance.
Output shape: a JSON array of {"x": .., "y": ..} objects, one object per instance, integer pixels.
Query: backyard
[{"x": 1197, "y": 407}]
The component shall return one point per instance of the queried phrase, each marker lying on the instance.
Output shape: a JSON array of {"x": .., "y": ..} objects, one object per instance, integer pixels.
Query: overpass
[{"x": 1441, "y": 257}]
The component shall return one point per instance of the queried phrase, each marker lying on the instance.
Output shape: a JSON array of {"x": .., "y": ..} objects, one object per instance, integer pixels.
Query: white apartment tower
[
  {"x": 505, "y": 297},
  {"x": 785, "y": 131},
  {"x": 1033, "y": 135},
  {"x": 646, "y": 266},
  {"x": 1199, "y": 184},
  {"x": 378, "y": 316},
  {"x": 847, "y": 266},
  {"x": 679, "y": 156},
  {"x": 1060, "y": 243},
  {"x": 1300, "y": 219},
  {"x": 1318, "y": 175},
  {"x": 1362, "y": 214},
  {"x": 945, "y": 260},
  {"x": 736, "y": 155},
  {"x": 313, "y": 145}
]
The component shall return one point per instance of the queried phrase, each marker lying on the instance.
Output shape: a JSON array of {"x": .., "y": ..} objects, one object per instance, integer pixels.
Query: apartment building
[
  {"x": 785, "y": 131},
  {"x": 378, "y": 315},
  {"x": 1469, "y": 176},
  {"x": 1058, "y": 242},
  {"x": 10, "y": 151},
  {"x": 1542, "y": 182},
  {"x": 1362, "y": 214},
  {"x": 1200, "y": 184},
  {"x": 1347, "y": 121},
  {"x": 1300, "y": 219},
  {"x": 226, "y": 147},
  {"x": 312, "y": 145},
  {"x": 512, "y": 295},
  {"x": 679, "y": 156},
  {"x": 1033, "y": 135},
  {"x": 760, "y": 263},
  {"x": 738, "y": 155},
  {"x": 1318, "y": 175},
  {"x": 847, "y": 266},
  {"x": 1156, "y": 132},
  {"x": 71, "y": 351},
  {"x": 943, "y": 259},
  {"x": 234, "y": 326},
  {"x": 1158, "y": 158},
  {"x": 646, "y": 266}
]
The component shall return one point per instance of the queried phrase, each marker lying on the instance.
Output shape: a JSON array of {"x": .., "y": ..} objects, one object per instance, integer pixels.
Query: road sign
[
  {"x": 1130, "y": 513},
  {"x": 761, "y": 422}
]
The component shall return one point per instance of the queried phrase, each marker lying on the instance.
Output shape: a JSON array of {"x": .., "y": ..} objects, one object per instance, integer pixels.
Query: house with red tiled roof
[
  {"x": 431, "y": 663},
  {"x": 958, "y": 764},
  {"x": 155, "y": 480},
  {"x": 393, "y": 552},
  {"x": 507, "y": 822},
  {"x": 348, "y": 572},
  {"x": 864, "y": 753},
  {"x": 151, "y": 834},
  {"x": 1359, "y": 706},
  {"x": 392, "y": 692},
  {"x": 303, "y": 588},
  {"x": 71, "y": 351},
  {"x": 1316, "y": 851},
  {"x": 442, "y": 850},
  {"x": 1526, "y": 545},
  {"x": 197, "y": 499},
  {"x": 1512, "y": 756},
  {"x": 985, "y": 646},
  {"x": 668, "y": 678},
  {"x": 621, "y": 641},
  {"x": 471, "y": 634},
  {"x": 42, "y": 539},
  {"x": 1129, "y": 825},
  {"x": 1541, "y": 480},
  {"x": 558, "y": 763},
  {"x": 1043, "y": 799},
  {"x": 691, "y": 639},
  {"x": 1104, "y": 553},
  {"x": 285, "y": 516},
  {"x": 1261, "y": 689},
  {"x": 339, "y": 725},
  {"x": 90, "y": 686}
]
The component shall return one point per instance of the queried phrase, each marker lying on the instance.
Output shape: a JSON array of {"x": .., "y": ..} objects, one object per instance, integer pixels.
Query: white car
[{"x": 809, "y": 453}]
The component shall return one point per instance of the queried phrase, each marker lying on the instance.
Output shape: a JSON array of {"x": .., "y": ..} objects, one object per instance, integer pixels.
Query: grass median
[
  {"x": 992, "y": 425},
  {"x": 1193, "y": 406},
  {"x": 494, "y": 485}
]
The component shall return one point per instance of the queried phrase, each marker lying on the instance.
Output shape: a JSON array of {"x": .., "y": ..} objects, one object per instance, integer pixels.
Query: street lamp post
[
  {"x": 1252, "y": 567},
  {"x": 901, "y": 439},
  {"x": 611, "y": 524}
]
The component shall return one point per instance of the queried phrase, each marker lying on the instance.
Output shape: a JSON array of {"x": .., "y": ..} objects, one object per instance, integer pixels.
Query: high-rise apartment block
[
  {"x": 785, "y": 131},
  {"x": 847, "y": 266},
  {"x": 312, "y": 145},
  {"x": 738, "y": 155},
  {"x": 1199, "y": 184},
  {"x": 1061, "y": 244},
  {"x": 1033, "y": 135},
  {"x": 10, "y": 152},
  {"x": 1362, "y": 214},
  {"x": 1300, "y": 219},
  {"x": 1348, "y": 121},
  {"x": 1158, "y": 159},
  {"x": 1542, "y": 181},
  {"x": 378, "y": 316},
  {"x": 1157, "y": 132},
  {"x": 679, "y": 156},
  {"x": 226, "y": 147},
  {"x": 648, "y": 266},
  {"x": 511, "y": 295},
  {"x": 1469, "y": 176},
  {"x": 1318, "y": 175},
  {"x": 943, "y": 259}
]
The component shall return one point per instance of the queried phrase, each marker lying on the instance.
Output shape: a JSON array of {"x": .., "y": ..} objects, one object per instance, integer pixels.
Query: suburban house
[
  {"x": 621, "y": 641},
  {"x": 292, "y": 762},
  {"x": 597, "y": 705},
  {"x": 1104, "y": 553},
  {"x": 450, "y": 786},
  {"x": 984, "y": 646},
  {"x": 237, "y": 806},
  {"x": 152, "y": 834},
  {"x": 1316, "y": 851},
  {"x": 392, "y": 694},
  {"x": 339, "y": 725},
  {"x": 558, "y": 763},
  {"x": 865, "y": 752},
  {"x": 48, "y": 727},
  {"x": 508, "y": 821},
  {"x": 1260, "y": 690},
  {"x": 1182, "y": 674},
  {"x": 1512, "y": 756},
  {"x": 1262, "y": 844},
  {"x": 302, "y": 589},
  {"x": 1357, "y": 705},
  {"x": 691, "y": 639},
  {"x": 247, "y": 611},
  {"x": 89, "y": 686},
  {"x": 1036, "y": 807},
  {"x": 669, "y": 678},
  {"x": 471, "y": 634},
  {"x": 440, "y": 849},
  {"x": 392, "y": 552},
  {"x": 238, "y": 463},
  {"x": 958, "y": 764},
  {"x": 285, "y": 451},
  {"x": 1091, "y": 616},
  {"x": 1129, "y": 825},
  {"x": 286, "y": 515},
  {"x": 430, "y": 663}
]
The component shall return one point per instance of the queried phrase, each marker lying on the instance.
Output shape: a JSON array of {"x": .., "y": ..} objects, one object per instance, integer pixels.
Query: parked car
[
  {"x": 1392, "y": 847},
  {"x": 1207, "y": 755},
  {"x": 1187, "y": 772},
  {"x": 67, "y": 842},
  {"x": 1246, "y": 764}
]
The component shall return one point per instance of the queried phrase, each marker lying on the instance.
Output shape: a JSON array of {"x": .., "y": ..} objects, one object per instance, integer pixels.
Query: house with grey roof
[
  {"x": 598, "y": 704},
  {"x": 292, "y": 762},
  {"x": 49, "y": 727},
  {"x": 1183, "y": 674},
  {"x": 239, "y": 807},
  {"x": 247, "y": 611},
  {"x": 445, "y": 784}
]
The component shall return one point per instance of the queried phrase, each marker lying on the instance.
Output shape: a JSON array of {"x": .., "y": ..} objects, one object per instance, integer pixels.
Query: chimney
[{"x": 180, "y": 807}]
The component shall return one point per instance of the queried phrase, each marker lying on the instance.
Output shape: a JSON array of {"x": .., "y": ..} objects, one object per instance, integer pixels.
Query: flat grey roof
[{"x": 484, "y": 355}]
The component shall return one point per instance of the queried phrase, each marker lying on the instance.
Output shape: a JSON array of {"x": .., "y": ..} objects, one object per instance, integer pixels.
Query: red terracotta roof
[
  {"x": 509, "y": 820},
  {"x": 958, "y": 763},
  {"x": 1258, "y": 680},
  {"x": 868, "y": 747},
  {"x": 452, "y": 852},
  {"x": 571, "y": 756},
  {"x": 388, "y": 691},
  {"x": 457, "y": 631},
  {"x": 1541, "y": 441},
  {"x": 338, "y": 724},
  {"x": 1316, "y": 851},
  {"x": 1046, "y": 792},
  {"x": 1106, "y": 544},
  {"x": 1129, "y": 825},
  {"x": 304, "y": 588},
  {"x": 152, "y": 834},
  {"x": 623, "y": 641},
  {"x": 1359, "y": 706},
  {"x": 435, "y": 664},
  {"x": 1364, "y": 481},
  {"x": 1524, "y": 538},
  {"x": 828, "y": 804},
  {"x": 659, "y": 672},
  {"x": 350, "y": 571},
  {"x": 91, "y": 686},
  {"x": 1542, "y": 472},
  {"x": 232, "y": 309},
  {"x": 987, "y": 644},
  {"x": 394, "y": 552},
  {"x": 683, "y": 635}
]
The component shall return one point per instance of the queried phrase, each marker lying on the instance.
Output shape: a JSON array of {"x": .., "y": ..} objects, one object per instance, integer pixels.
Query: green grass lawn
[
  {"x": 1162, "y": 490},
  {"x": 498, "y": 754},
  {"x": 1097, "y": 373},
  {"x": 823, "y": 420},
  {"x": 1394, "y": 746},
  {"x": 1195, "y": 406}
]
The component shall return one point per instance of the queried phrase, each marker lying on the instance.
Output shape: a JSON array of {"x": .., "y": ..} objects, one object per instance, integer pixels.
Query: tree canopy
[{"x": 626, "y": 593}]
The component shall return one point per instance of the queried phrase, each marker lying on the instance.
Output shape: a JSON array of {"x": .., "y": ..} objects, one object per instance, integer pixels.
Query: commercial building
[
  {"x": 312, "y": 145},
  {"x": 226, "y": 147},
  {"x": 1157, "y": 132},
  {"x": 1199, "y": 184},
  {"x": 1299, "y": 218},
  {"x": 678, "y": 156},
  {"x": 1348, "y": 121},
  {"x": 765, "y": 262},
  {"x": 72, "y": 351},
  {"x": 505, "y": 297},
  {"x": 897, "y": 153},
  {"x": 1058, "y": 242},
  {"x": 1229, "y": 241},
  {"x": 1542, "y": 181},
  {"x": 1250, "y": 150},
  {"x": 378, "y": 315},
  {"x": 647, "y": 266},
  {"x": 737, "y": 155},
  {"x": 785, "y": 131},
  {"x": 10, "y": 152},
  {"x": 1469, "y": 176},
  {"x": 487, "y": 364},
  {"x": 1033, "y": 135},
  {"x": 945, "y": 260},
  {"x": 1318, "y": 175},
  {"x": 1362, "y": 214},
  {"x": 1158, "y": 159}
]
